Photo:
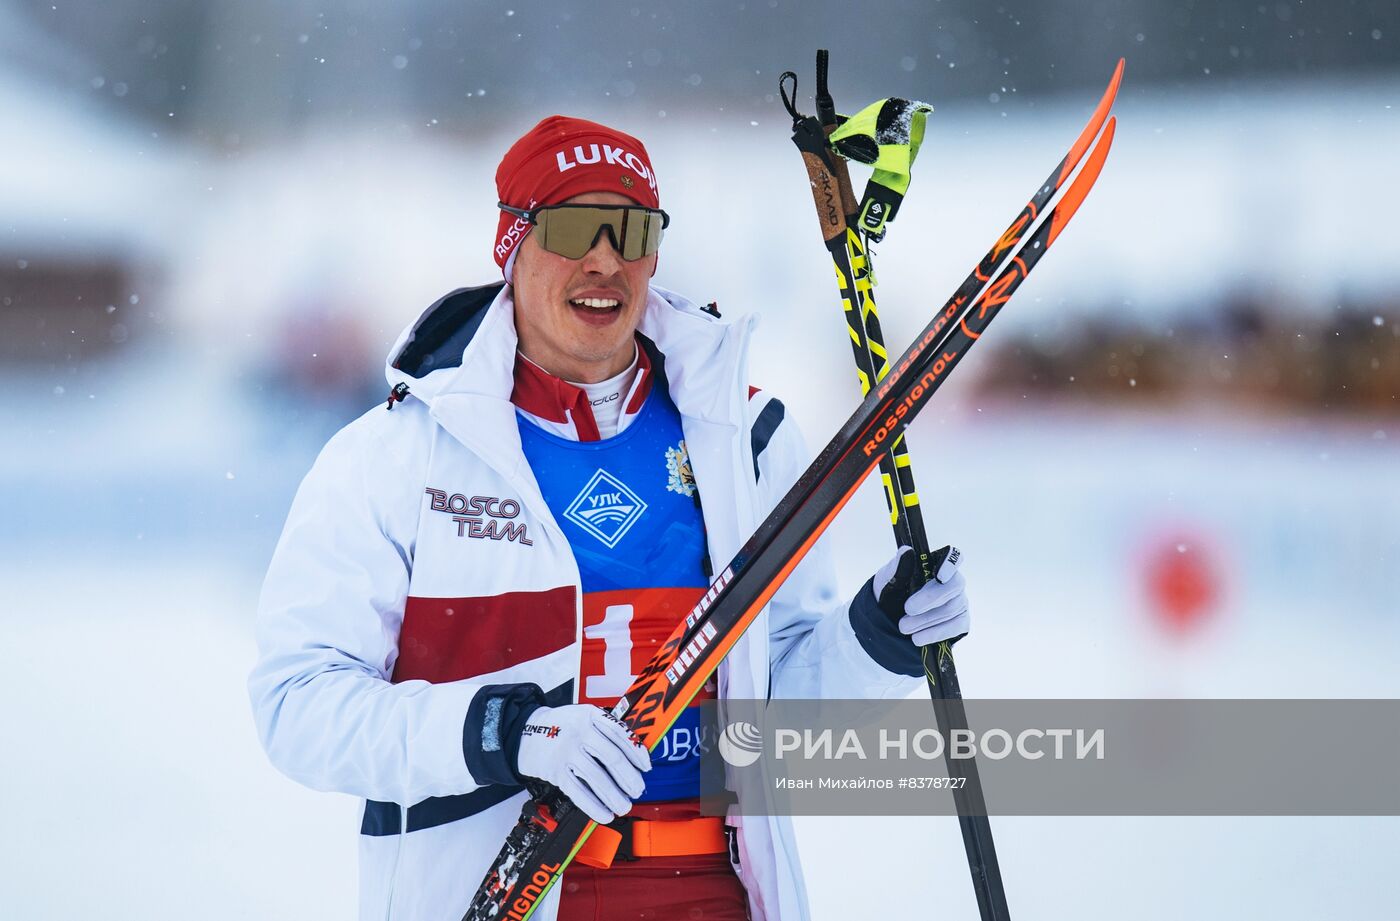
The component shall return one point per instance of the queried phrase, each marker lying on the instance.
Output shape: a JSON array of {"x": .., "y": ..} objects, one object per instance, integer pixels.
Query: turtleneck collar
[{"x": 567, "y": 409}]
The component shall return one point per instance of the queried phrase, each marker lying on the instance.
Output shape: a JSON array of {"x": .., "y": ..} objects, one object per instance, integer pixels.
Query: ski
[{"x": 550, "y": 829}]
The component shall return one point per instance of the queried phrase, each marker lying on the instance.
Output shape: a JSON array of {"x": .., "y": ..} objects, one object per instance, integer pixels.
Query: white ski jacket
[{"x": 383, "y": 616}]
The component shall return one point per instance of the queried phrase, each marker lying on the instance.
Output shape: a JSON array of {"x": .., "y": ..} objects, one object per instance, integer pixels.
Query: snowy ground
[{"x": 135, "y": 787}]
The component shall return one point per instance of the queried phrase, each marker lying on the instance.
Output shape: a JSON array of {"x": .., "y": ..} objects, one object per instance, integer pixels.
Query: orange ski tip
[
  {"x": 1077, "y": 191},
  {"x": 1114, "y": 82},
  {"x": 1081, "y": 143}
]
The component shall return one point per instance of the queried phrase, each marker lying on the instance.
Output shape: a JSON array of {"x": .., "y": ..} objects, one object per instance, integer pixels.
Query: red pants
[{"x": 696, "y": 888}]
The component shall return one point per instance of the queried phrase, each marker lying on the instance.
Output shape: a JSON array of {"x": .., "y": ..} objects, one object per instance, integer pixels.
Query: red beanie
[{"x": 562, "y": 157}]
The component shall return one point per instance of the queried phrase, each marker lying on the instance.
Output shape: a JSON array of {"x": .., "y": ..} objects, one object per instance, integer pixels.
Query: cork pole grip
[{"x": 826, "y": 196}]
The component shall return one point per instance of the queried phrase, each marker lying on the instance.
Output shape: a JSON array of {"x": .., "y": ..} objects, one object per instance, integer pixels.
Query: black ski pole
[{"x": 855, "y": 274}]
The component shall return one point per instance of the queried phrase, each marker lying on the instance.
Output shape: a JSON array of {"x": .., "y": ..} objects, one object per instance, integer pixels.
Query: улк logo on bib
[{"x": 606, "y": 508}]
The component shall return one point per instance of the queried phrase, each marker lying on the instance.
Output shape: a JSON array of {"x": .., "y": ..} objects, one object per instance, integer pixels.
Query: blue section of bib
[{"x": 626, "y": 505}]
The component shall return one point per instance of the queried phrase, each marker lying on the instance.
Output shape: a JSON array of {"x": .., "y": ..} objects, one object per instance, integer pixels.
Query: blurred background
[{"x": 1173, "y": 466}]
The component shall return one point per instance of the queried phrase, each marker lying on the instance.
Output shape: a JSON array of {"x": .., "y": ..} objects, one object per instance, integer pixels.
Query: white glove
[
  {"x": 588, "y": 754},
  {"x": 936, "y": 612}
]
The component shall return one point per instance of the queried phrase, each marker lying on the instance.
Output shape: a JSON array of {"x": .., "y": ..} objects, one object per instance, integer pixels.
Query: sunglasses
[{"x": 571, "y": 230}]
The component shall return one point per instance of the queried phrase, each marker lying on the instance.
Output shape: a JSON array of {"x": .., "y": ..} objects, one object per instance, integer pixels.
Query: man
[{"x": 465, "y": 579}]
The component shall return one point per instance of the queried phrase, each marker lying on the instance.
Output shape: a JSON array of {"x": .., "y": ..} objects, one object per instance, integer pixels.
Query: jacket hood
[
  {"x": 465, "y": 342},
  {"x": 431, "y": 347}
]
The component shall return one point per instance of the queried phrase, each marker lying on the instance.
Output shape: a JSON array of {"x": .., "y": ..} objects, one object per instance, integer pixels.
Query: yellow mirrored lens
[{"x": 571, "y": 232}]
